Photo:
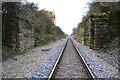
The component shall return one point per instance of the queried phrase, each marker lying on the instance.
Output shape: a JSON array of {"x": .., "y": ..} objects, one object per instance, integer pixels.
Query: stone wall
[
  {"x": 95, "y": 28},
  {"x": 100, "y": 28},
  {"x": 18, "y": 36},
  {"x": 26, "y": 34},
  {"x": 87, "y": 26}
]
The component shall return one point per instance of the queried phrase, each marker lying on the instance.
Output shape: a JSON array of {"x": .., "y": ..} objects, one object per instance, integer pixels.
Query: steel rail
[
  {"x": 91, "y": 74},
  {"x": 55, "y": 65}
]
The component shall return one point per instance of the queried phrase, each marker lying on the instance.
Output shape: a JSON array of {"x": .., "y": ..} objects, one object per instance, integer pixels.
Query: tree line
[
  {"x": 100, "y": 25},
  {"x": 23, "y": 26}
]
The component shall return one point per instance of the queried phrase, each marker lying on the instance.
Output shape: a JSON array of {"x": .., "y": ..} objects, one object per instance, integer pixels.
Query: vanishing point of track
[{"x": 71, "y": 64}]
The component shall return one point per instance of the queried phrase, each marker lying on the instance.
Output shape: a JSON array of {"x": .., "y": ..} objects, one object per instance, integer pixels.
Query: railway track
[{"x": 70, "y": 64}]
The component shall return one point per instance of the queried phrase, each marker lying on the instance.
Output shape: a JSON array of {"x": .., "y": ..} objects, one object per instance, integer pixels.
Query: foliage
[
  {"x": 40, "y": 23},
  {"x": 45, "y": 28},
  {"x": 79, "y": 33},
  {"x": 110, "y": 10}
]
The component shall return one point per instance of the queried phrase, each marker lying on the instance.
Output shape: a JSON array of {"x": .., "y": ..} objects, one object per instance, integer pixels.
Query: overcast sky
[{"x": 68, "y": 12}]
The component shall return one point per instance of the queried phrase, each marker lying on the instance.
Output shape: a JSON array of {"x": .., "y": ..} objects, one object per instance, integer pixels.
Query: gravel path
[
  {"x": 110, "y": 59},
  {"x": 70, "y": 65},
  {"x": 100, "y": 67},
  {"x": 38, "y": 64},
  {"x": 21, "y": 66},
  {"x": 45, "y": 67}
]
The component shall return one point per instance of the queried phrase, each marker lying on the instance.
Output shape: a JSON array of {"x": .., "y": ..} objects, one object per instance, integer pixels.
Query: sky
[{"x": 68, "y": 12}]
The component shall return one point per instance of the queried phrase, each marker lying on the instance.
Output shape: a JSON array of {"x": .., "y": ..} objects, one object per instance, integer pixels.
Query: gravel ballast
[
  {"x": 70, "y": 64},
  {"x": 99, "y": 67},
  {"x": 45, "y": 68},
  {"x": 22, "y": 66},
  {"x": 38, "y": 64}
]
